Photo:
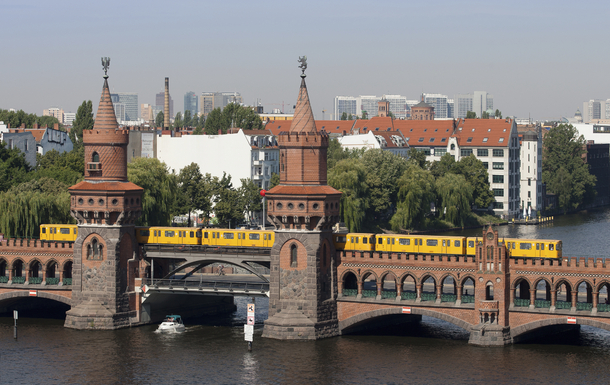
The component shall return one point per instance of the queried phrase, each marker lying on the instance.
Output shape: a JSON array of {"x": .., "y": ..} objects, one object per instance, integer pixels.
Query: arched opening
[
  {"x": 67, "y": 273},
  {"x": 522, "y": 293},
  {"x": 293, "y": 256},
  {"x": 489, "y": 291},
  {"x": 35, "y": 273},
  {"x": 408, "y": 289},
  {"x": 603, "y": 301},
  {"x": 448, "y": 289},
  {"x": 543, "y": 294},
  {"x": 95, "y": 157},
  {"x": 428, "y": 289},
  {"x": 18, "y": 272},
  {"x": 369, "y": 285},
  {"x": 350, "y": 285},
  {"x": 468, "y": 286},
  {"x": 388, "y": 286},
  {"x": 3, "y": 272},
  {"x": 564, "y": 295},
  {"x": 584, "y": 298},
  {"x": 51, "y": 272}
]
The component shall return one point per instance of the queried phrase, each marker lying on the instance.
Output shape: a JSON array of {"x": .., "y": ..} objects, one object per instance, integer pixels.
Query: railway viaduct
[{"x": 315, "y": 291}]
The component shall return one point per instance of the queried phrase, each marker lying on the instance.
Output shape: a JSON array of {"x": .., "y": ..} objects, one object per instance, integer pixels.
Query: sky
[{"x": 540, "y": 59}]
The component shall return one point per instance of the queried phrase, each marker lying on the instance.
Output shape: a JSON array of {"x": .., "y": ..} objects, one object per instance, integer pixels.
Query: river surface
[{"x": 213, "y": 350}]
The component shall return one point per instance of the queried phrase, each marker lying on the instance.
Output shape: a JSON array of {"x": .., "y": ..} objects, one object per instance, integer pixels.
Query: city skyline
[{"x": 535, "y": 58}]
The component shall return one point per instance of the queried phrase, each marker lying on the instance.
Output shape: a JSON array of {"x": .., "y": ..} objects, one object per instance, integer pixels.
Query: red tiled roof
[
  {"x": 106, "y": 186},
  {"x": 303, "y": 120},
  {"x": 105, "y": 118},
  {"x": 302, "y": 190},
  {"x": 37, "y": 132}
]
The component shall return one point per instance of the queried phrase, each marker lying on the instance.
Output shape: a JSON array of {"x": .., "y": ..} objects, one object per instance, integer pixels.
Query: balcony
[{"x": 94, "y": 168}]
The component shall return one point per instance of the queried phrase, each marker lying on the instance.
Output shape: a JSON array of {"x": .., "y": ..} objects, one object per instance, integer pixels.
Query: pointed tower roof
[
  {"x": 303, "y": 120},
  {"x": 105, "y": 118}
]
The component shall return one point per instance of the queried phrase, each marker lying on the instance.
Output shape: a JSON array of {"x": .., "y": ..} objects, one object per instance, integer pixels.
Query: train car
[
  {"x": 471, "y": 244},
  {"x": 237, "y": 238},
  {"x": 169, "y": 235},
  {"x": 423, "y": 244},
  {"x": 534, "y": 248},
  {"x": 354, "y": 241},
  {"x": 66, "y": 233}
]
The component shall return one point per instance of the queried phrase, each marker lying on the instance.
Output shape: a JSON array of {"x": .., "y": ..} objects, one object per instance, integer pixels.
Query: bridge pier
[{"x": 490, "y": 335}]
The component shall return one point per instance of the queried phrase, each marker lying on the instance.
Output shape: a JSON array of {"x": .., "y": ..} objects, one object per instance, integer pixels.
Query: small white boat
[{"x": 172, "y": 324}]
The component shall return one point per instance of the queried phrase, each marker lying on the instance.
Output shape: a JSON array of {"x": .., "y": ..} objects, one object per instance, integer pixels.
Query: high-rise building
[
  {"x": 595, "y": 109},
  {"x": 160, "y": 102},
  {"x": 211, "y": 100},
  {"x": 55, "y": 112},
  {"x": 146, "y": 112},
  {"x": 345, "y": 104},
  {"x": 191, "y": 103},
  {"x": 478, "y": 102},
  {"x": 462, "y": 104},
  {"x": 130, "y": 101},
  {"x": 368, "y": 104},
  {"x": 439, "y": 102},
  {"x": 398, "y": 105},
  {"x": 357, "y": 105},
  {"x": 206, "y": 103},
  {"x": 69, "y": 118},
  {"x": 119, "y": 111}
]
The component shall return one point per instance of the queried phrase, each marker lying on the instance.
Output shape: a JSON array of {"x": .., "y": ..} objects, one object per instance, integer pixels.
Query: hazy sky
[{"x": 538, "y": 58}]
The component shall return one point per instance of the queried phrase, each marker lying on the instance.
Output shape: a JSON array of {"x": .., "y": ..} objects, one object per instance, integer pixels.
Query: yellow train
[{"x": 389, "y": 243}]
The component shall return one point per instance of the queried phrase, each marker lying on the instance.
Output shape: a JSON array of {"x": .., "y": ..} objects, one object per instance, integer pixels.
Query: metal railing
[
  {"x": 369, "y": 293},
  {"x": 261, "y": 287},
  {"x": 541, "y": 303},
  {"x": 428, "y": 296},
  {"x": 563, "y": 305},
  {"x": 521, "y": 302},
  {"x": 67, "y": 281},
  {"x": 408, "y": 295},
  {"x": 3, "y": 279},
  {"x": 350, "y": 292},
  {"x": 52, "y": 281},
  {"x": 35, "y": 280},
  {"x": 388, "y": 294},
  {"x": 448, "y": 297},
  {"x": 467, "y": 298},
  {"x": 205, "y": 249}
]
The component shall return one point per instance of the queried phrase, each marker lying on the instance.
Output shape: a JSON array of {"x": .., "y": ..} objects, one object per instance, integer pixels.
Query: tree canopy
[
  {"x": 563, "y": 167},
  {"x": 83, "y": 121},
  {"x": 18, "y": 118},
  {"x": 233, "y": 115},
  {"x": 349, "y": 177}
]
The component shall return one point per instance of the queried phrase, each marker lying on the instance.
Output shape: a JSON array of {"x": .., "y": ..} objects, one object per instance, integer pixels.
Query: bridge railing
[
  {"x": 261, "y": 287},
  {"x": 199, "y": 249}
]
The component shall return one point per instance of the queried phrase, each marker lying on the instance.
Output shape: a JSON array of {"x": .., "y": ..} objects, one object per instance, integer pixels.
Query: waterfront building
[
  {"x": 531, "y": 170},
  {"x": 598, "y": 159},
  {"x": 23, "y": 141}
]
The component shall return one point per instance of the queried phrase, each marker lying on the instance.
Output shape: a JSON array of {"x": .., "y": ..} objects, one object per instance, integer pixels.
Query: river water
[{"x": 213, "y": 350}]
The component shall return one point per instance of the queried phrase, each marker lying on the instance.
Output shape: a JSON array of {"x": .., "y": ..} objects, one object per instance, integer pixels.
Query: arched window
[
  {"x": 293, "y": 256},
  {"x": 95, "y": 157},
  {"x": 95, "y": 249},
  {"x": 489, "y": 291},
  {"x": 452, "y": 146}
]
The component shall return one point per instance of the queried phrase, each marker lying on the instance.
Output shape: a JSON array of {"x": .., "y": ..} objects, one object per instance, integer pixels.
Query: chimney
[
  {"x": 166, "y": 106},
  {"x": 35, "y": 125},
  {"x": 219, "y": 131},
  {"x": 22, "y": 125},
  {"x": 56, "y": 126}
]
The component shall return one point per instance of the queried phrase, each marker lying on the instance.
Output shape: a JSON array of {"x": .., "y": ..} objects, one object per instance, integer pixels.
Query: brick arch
[
  {"x": 562, "y": 281},
  {"x": 385, "y": 275},
  {"x": 584, "y": 280},
  {"x": 398, "y": 310},
  {"x": 513, "y": 284},
  {"x": 34, "y": 260},
  {"x": 344, "y": 274},
  {"x": 88, "y": 239},
  {"x": 41, "y": 294},
  {"x": 600, "y": 285},
  {"x": 463, "y": 280},
  {"x": 12, "y": 263},
  {"x": 537, "y": 281},
  {"x": 49, "y": 261},
  {"x": 445, "y": 276},
  {"x": 366, "y": 273},
  {"x": 517, "y": 331},
  {"x": 63, "y": 265},
  {"x": 286, "y": 255},
  {"x": 405, "y": 275},
  {"x": 427, "y": 275}
]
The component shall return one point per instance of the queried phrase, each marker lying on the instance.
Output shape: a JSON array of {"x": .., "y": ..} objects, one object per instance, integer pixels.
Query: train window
[
  {"x": 145, "y": 233},
  {"x": 380, "y": 241},
  {"x": 192, "y": 234},
  {"x": 341, "y": 239},
  {"x": 558, "y": 248},
  {"x": 470, "y": 243},
  {"x": 243, "y": 235},
  {"x": 75, "y": 230},
  {"x": 205, "y": 235},
  {"x": 213, "y": 234},
  {"x": 431, "y": 242},
  {"x": 265, "y": 237},
  {"x": 392, "y": 240},
  {"x": 525, "y": 246},
  {"x": 44, "y": 230},
  {"x": 198, "y": 234},
  {"x": 238, "y": 236},
  {"x": 357, "y": 239},
  {"x": 404, "y": 241},
  {"x": 542, "y": 246},
  {"x": 444, "y": 243},
  {"x": 155, "y": 231},
  {"x": 457, "y": 244},
  {"x": 537, "y": 246},
  {"x": 364, "y": 239},
  {"x": 372, "y": 240},
  {"x": 170, "y": 234},
  {"x": 513, "y": 245},
  {"x": 388, "y": 241},
  {"x": 255, "y": 237},
  {"x": 352, "y": 240},
  {"x": 228, "y": 235}
]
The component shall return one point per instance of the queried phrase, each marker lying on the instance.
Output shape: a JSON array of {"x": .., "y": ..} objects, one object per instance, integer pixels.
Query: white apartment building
[
  {"x": 531, "y": 171},
  {"x": 439, "y": 102},
  {"x": 356, "y": 105},
  {"x": 392, "y": 141}
]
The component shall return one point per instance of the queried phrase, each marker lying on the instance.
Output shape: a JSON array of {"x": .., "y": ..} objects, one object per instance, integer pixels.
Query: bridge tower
[
  {"x": 105, "y": 205},
  {"x": 303, "y": 208},
  {"x": 492, "y": 292}
]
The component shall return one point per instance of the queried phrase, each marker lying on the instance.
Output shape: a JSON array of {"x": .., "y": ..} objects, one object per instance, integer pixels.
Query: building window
[
  {"x": 440, "y": 151},
  {"x": 498, "y": 192},
  {"x": 498, "y": 205},
  {"x": 95, "y": 157},
  {"x": 529, "y": 194},
  {"x": 482, "y": 152},
  {"x": 498, "y": 165},
  {"x": 529, "y": 181},
  {"x": 486, "y": 165},
  {"x": 498, "y": 178},
  {"x": 466, "y": 151},
  {"x": 498, "y": 152},
  {"x": 293, "y": 256}
]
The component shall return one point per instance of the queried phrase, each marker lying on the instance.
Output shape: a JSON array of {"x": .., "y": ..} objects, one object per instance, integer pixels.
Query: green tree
[
  {"x": 563, "y": 167},
  {"x": 67, "y": 167},
  {"x": 383, "y": 169},
  {"x": 417, "y": 157},
  {"x": 178, "y": 123},
  {"x": 485, "y": 115},
  {"x": 498, "y": 114},
  {"x": 440, "y": 167},
  {"x": 275, "y": 180},
  {"x": 471, "y": 115},
  {"x": 159, "y": 119},
  {"x": 476, "y": 174},
  {"x": 364, "y": 115},
  {"x": 83, "y": 121},
  {"x": 391, "y": 115},
  {"x": 198, "y": 131},
  {"x": 191, "y": 189},
  {"x": 251, "y": 199},
  {"x": 344, "y": 116},
  {"x": 349, "y": 177},
  {"x": 187, "y": 121},
  {"x": 335, "y": 153},
  {"x": 200, "y": 122},
  {"x": 455, "y": 195},
  {"x": 350, "y": 117},
  {"x": 228, "y": 206},
  {"x": 160, "y": 190},
  {"x": 233, "y": 115},
  {"x": 416, "y": 193},
  {"x": 13, "y": 167}
]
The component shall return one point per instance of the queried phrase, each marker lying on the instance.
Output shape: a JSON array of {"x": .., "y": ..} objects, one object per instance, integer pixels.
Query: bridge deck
[{"x": 208, "y": 287}]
